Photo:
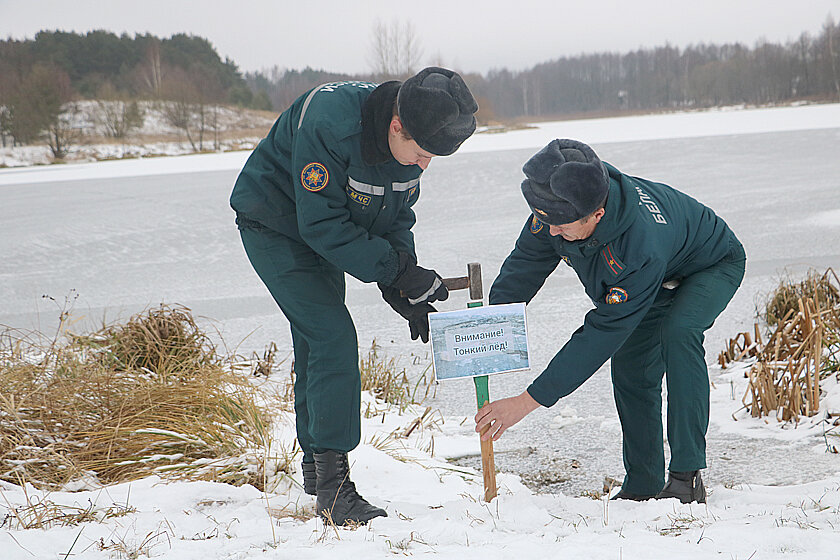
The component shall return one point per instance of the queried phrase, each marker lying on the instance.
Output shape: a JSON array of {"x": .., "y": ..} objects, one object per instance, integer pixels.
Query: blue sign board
[{"x": 479, "y": 341}]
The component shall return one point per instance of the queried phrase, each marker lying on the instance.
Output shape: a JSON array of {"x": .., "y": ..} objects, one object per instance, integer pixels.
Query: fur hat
[
  {"x": 436, "y": 108},
  {"x": 565, "y": 182}
]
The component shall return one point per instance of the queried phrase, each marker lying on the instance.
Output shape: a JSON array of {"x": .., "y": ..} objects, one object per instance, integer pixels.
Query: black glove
[
  {"x": 416, "y": 315},
  {"x": 420, "y": 285}
]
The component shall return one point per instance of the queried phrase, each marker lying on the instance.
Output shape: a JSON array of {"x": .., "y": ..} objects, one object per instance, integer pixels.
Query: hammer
[{"x": 471, "y": 281}]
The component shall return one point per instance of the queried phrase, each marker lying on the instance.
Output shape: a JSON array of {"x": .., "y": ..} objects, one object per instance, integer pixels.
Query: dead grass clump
[
  {"x": 386, "y": 381},
  {"x": 43, "y": 513},
  {"x": 165, "y": 342},
  {"x": 802, "y": 350},
  {"x": 148, "y": 397}
]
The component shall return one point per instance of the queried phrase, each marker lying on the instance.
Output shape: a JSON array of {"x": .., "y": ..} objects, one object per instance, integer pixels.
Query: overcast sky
[{"x": 467, "y": 35}]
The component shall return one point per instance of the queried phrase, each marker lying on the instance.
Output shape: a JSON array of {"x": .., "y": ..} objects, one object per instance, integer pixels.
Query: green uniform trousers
[
  {"x": 669, "y": 340},
  {"x": 310, "y": 293}
]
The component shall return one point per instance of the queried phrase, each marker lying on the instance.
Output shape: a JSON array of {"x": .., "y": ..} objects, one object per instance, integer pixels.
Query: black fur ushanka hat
[
  {"x": 566, "y": 181},
  {"x": 437, "y": 108}
]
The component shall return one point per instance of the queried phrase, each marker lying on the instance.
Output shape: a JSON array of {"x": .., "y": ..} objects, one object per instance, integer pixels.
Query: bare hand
[{"x": 496, "y": 417}]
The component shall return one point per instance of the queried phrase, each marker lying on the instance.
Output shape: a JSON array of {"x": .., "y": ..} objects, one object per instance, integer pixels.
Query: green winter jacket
[
  {"x": 308, "y": 179},
  {"x": 650, "y": 234}
]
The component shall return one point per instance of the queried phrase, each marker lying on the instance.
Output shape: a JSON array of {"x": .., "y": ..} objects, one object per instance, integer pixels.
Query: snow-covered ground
[
  {"x": 125, "y": 235},
  {"x": 434, "y": 509}
]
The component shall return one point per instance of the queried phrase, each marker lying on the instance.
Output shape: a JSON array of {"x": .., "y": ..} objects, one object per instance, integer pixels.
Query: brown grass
[
  {"x": 823, "y": 288},
  {"x": 150, "y": 396},
  {"x": 39, "y": 512},
  {"x": 386, "y": 381}
]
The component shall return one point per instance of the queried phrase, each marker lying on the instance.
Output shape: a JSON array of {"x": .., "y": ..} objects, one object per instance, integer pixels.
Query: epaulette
[{"x": 613, "y": 264}]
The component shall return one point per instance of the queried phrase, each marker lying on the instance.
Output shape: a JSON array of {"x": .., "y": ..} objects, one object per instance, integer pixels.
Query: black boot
[
  {"x": 338, "y": 502},
  {"x": 622, "y": 495},
  {"x": 687, "y": 486},
  {"x": 309, "y": 478}
]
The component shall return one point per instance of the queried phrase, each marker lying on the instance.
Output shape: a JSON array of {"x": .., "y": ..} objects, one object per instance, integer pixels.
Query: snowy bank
[{"x": 715, "y": 122}]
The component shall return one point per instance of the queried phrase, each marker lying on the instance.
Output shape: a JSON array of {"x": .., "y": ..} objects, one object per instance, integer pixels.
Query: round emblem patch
[
  {"x": 314, "y": 177},
  {"x": 536, "y": 225},
  {"x": 616, "y": 295}
]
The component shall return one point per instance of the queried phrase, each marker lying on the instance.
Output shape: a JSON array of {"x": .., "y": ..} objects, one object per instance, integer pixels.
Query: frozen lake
[{"x": 127, "y": 242}]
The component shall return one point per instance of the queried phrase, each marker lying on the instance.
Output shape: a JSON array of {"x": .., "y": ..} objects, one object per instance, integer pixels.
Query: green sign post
[{"x": 482, "y": 390}]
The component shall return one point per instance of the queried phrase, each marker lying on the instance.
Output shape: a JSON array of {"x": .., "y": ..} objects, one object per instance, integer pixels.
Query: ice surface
[{"x": 128, "y": 235}]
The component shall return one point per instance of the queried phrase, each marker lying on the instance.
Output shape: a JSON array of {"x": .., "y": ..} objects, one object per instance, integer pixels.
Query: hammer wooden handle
[
  {"x": 472, "y": 282},
  {"x": 457, "y": 283}
]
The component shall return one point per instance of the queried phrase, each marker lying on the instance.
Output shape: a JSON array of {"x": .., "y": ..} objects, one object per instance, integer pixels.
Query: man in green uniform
[
  {"x": 329, "y": 191},
  {"x": 659, "y": 268}
]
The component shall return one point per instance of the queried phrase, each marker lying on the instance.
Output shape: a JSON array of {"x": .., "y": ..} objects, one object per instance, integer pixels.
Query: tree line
[
  {"x": 660, "y": 78},
  {"x": 667, "y": 77},
  {"x": 40, "y": 79}
]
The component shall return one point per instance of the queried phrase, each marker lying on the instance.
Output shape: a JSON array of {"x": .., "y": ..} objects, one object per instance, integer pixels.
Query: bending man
[
  {"x": 329, "y": 191},
  {"x": 659, "y": 267}
]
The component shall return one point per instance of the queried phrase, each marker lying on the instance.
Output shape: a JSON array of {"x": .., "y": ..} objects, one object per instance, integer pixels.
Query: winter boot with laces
[
  {"x": 309, "y": 478},
  {"x": 686, "y": 486},
  {"x": 338, "y": 502}
]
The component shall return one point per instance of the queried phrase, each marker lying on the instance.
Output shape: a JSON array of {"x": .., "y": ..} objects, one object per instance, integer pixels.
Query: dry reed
[
  {"x": 800, "y": 352},
  {"x": 148, "y": 397}
]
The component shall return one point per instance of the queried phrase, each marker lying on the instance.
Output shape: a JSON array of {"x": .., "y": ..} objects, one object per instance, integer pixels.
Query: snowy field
[
  {"x": 127, "y": 235},
  {"x": 88, "y": 118}
]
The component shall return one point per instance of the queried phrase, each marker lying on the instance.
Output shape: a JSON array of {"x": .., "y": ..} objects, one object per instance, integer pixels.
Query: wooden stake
[
  {"x": 488, "y": 462},
  {"x": 482, "y": 391}
]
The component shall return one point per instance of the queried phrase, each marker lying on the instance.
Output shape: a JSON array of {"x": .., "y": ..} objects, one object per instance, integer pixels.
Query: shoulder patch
[
  {"x": 616, "y": 295},
  {"x": 536, "y": 225},
  {"x": 615, "y": 265},
  {"x": 314, "y": 177}
]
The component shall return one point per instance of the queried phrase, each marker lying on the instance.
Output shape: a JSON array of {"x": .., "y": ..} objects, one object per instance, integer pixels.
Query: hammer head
[{"x": 474, "y": 276}]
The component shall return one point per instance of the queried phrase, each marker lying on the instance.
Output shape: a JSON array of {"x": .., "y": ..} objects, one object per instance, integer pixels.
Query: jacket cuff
[
  {"x": 541, "y": 396},
  {"x": 391, "y": 267}
]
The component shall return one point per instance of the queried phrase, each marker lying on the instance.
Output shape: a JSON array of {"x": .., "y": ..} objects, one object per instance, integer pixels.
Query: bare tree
[
  {"x": 150, "y": 73},
  {"x": 117, "y": 114},
  {"x": 41, "y": 107},
  {"x": 6, "y": 96},
  {"x": 209, "y": 95},
  {"x": 830, "y": 31},
  {"x": 180, "y": 105},
  {"x": 5, "y": 124},
  {"x": 190, "y": 103},
  {"x": 395, "y": 49},
  {"x": 61, "y": 132}
]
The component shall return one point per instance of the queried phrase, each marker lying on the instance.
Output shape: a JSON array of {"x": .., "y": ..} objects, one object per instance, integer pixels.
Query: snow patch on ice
[
  {"x": 828, "y": 218},
  {"x": 567, "y": 417}
]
